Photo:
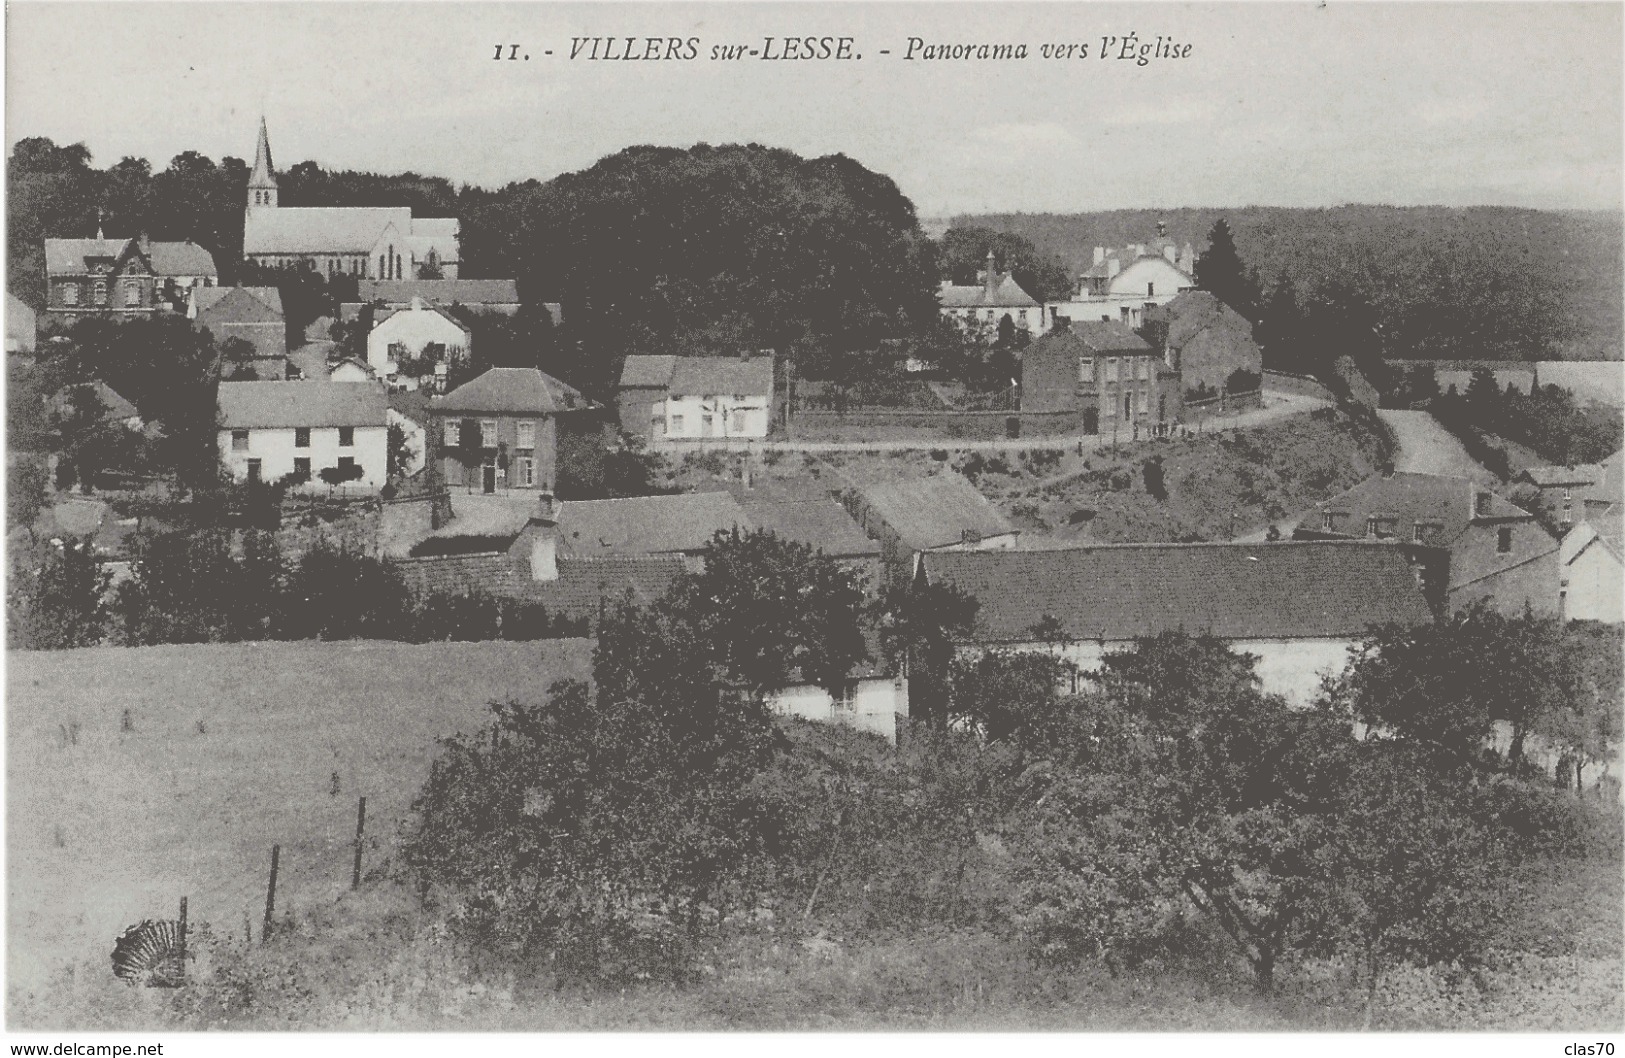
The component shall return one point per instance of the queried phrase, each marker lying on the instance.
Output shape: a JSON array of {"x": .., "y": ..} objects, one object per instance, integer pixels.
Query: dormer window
[
  {"x": 1371, "y": 526},
  {"x": 1481, "y": 505},
  {"x": 1327, "y": 520}
]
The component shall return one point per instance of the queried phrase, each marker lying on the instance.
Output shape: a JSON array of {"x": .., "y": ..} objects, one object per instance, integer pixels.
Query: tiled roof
[
  {"x": 262, "y": 405},
  {"x": 650, "y": 371},
  {"x": 1006, "y": 294},
  {"x": 1551, "y": 477},
  {"x": 270, "y": 340},
  {"x": 516, "y": 390},
  {"x": 645, "y": 525},
  {"x": 439, "y": 291},
  {"x": 237, "y": 304},
  {"x": 1108, "y": 336},
  {"x": 583, "y": 587},
  {"x": 311, "y": 359},
  {"x": 320, "y": 229},
  {"x": 181, "y": 259},
  {"x": 1433, "y": 498},
  {"x": 1235, "y": 591},
  {"x": 709, "y": 376},
  {"x": 934, "y": 511},
  {"x": 820, "y": 524}
]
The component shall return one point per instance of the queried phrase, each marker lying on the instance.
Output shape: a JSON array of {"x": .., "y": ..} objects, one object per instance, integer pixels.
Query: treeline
[
  {"x": 1549, "y": 420},
  {"x": 1481, "y": 282},
  {"x": 191, "y": 587}
]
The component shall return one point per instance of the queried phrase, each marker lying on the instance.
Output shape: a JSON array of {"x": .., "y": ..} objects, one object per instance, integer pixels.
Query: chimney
[
  {"x": 1100, "y": 254},
  {"x": 1113, "y": 266},
  {"x": 1481, "y": 505},
  {"x": 544, "y": 512},
  {"x": 1168, "y": 252},
  {"x": 544, "y": 556},
  {"x": 1162, "y": 229},
  {"x": 1388, "y": 469},
  {"x": 991, "y": 283}
]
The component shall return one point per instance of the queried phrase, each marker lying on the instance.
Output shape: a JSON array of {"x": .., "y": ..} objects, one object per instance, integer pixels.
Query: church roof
[
  {"x": 320, "y": 229},
  {"x": 264, "y": 173}
]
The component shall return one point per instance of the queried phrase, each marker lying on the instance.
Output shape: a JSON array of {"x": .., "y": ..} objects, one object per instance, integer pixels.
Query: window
[
  {"x": 1125, "y": 314},
  {"x": 346, "y": 436},
  {"x": 453, "y": 438},
  {"x": 488, "y": 433},
  {"x": 1418, "y": 531},
  {"x": 527, "y": 435},
  {"x": 1503, "y": 539},
  {"x": 70, "y": 293},
  {"x": 1144, "y": 366},
  {"x": 301, "y": 467},
  {"x": 527, "y": 471},
  {"x": 1111, "y": 369},
  {"x": 1145, "y": 401},
  {"x": 239, "y": 440},
  {"x": 1086, "y": 369},
  {"x": 1371, "y": 526},
  {"x": 1024, "y": 317},
  {"x": 677, "y": 424},
  {"x": 1151, "y": 290},
  {"x": 1327, "y": 519},
  {"x": 301, "y": 437},
  {"x": 132, "y": 292},
  {"x": 254, "y": 471},
  {"x": 100, "y": 291},
  {"x": 346, "y": 462}
]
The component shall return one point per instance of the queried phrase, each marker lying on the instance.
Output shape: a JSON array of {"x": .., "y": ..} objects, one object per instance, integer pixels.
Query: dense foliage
[{"x": 1549, "y": 420}]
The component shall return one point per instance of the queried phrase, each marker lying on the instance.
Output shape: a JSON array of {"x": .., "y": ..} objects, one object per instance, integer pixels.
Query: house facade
[
  {"x": 366, "y": 242},
  {"x": 1593, "y": 586},
  {"x": 122, "y": 278},
  {"x": 1297, "y": 607},
  {"x": 1123, "y": 285},
  {"x": 678, "y": 398},
  {"x": 1206, "y": 342},
  {"x": 1496, "y": 552},
  {"x": 271, "y": 430},
  {"x": 1103, "y": 366},
  {"x": 979, "y": 308},
  {"x": 419, "y": 332},
  {"x": 500, "y": 432}
]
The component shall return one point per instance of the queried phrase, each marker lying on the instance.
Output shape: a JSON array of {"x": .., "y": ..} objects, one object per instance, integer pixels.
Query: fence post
[
  {"x": 360, "y": 831},
  {"x": 180, "y": 941},
  {"x": 270, "y": 896}
]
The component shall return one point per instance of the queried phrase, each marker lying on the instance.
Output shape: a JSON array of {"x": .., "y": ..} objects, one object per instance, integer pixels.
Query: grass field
[{"x": 231, "y": 748}]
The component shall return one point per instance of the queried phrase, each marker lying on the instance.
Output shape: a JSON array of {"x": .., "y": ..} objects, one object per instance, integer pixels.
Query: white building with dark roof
[
  {"x": 270, "y": 430},
  {"x": 1123, "y": 284},
  {"x": 369, "y": 242},
  {"x": 1297, "y": 607},
  {"x": 697, "y": 397},
  {"x": 980, "y": 308}
]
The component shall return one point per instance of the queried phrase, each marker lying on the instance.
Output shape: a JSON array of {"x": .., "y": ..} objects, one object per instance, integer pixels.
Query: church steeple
[{"x": 262, "y": 181}]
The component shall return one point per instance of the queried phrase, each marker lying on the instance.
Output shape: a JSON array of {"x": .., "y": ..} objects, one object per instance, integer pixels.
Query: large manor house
[{"x": 364, "y": 241}]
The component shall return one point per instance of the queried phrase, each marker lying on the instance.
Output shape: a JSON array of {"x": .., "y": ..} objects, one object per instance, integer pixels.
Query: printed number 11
[{"x": 513, "y": 51}]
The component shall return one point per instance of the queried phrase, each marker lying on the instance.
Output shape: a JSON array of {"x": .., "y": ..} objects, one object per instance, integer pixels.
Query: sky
[{"x": 1284, "y": 104}]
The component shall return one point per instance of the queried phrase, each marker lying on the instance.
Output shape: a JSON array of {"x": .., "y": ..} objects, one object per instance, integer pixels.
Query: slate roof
[
  {"x": 237, "y": 304},
  {"x": 934, "y": 511},
  {"x": 263, "y": 405},
  {"x": 710, "y": 376},
  {"x": 439, "y": 291},
  {"x": 583, "y": 587},
  {"x": 1126, "y": 256},
  {"x": 1193, "y": 311},
  {"x": 1236, "y": 591},
  {"x": 320, "y": 229},
  {"x": 646, "y": 525},
  {"x": 311, "y": 359},
  {"x": 1108, "y": 336},
  {"x": 1006, "y": 294},
  {"x": 1553, "y": 477},
  {"x": 820, "y": 524},
  {"x": 1447, "y": 502},
  {"x": 68, "y": 256},
  {"x": 647, "y": 371},
  {"x": 511, "y": 390}
]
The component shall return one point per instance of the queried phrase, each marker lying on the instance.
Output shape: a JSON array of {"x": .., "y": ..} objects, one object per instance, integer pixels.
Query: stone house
[
  {"x": 500, "y": 431},
  {"x": 1493, "y": 550},
  {"x": 122, "y": 278},
  {"x": 978, "y": 308},
  {"x": 270, "y": 430},
  {"x": 1206, "y": 341},
  {"x": 696, "y": 397},
  {"x": 1100, "y": 366},
  {"x": 1297, "y": 607}
]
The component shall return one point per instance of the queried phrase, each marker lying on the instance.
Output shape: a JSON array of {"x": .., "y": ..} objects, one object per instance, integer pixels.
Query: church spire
[{"x": 262, "y": 181}]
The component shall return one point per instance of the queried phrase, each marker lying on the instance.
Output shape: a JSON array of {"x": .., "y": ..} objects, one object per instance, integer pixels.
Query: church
[{"x": 366, "y": 242}]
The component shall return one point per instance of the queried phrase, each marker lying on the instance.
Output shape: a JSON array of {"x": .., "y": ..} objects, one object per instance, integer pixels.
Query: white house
[
  {"x": 873, "y": 701},
  {"x": 414, "y": 331},
  {"x": 1297, "y": 607},
  {"x": 1122, "y": 284},
  {"x": 269, "y": 430},
  {"x": 1593, "y": 583},
  {"x": 980, "y": 308},
  {"x": 695, "y": 397}
]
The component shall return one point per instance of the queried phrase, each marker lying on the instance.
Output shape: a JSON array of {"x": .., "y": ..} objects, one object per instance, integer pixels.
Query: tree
[
  {"x": 768, "y": 611},
  {"x": 401, "y": 451},
  {"x": 58, "y": 602},
  {"x": 962, "y": 258},
  {"x": 1220, "y": 272},
  {"x": 28, "y": 493},
  {"x": 1007, "y": 696},
  {"x": 918, "y": 625},
  {"x": 333, "y": 477},
  {"x": 1154, "y": 484}
]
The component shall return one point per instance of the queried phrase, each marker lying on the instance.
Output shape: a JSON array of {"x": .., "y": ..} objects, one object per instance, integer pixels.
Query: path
[
  {"x": 1425, "y": 447},
  {"x": 1276, "y": 406}
]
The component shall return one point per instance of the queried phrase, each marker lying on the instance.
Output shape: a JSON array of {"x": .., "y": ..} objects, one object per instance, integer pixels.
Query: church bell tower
[{"x": 262, "y": 181}]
